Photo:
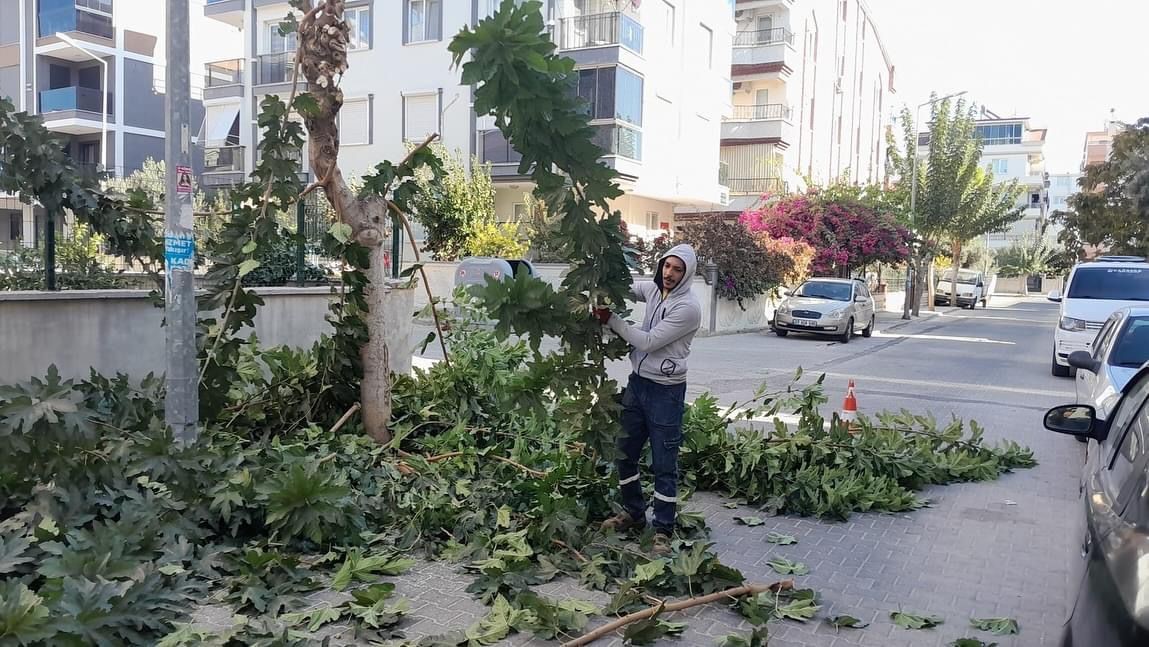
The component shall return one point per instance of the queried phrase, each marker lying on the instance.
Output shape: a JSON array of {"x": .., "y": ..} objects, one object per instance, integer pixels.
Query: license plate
[{"x": 805, "y": 322}]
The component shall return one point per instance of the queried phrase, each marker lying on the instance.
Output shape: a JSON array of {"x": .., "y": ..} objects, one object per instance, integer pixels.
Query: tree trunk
[
  {"x": 956, "y": 265},
  {"x": 924, "y": 284},
  {"x": 375, "y": 390}
]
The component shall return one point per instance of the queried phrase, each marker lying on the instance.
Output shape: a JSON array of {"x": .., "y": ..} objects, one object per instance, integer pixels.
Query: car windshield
[
  {"x": 1111, "y": 283},
  {"x": 1131, "y": 349},
  {"x": 824, "y": 290},
  {"x": 963, "y": 276}
]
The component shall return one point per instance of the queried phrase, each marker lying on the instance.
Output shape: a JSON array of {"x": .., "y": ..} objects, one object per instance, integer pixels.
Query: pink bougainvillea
[{"x": 844, "y": 235}]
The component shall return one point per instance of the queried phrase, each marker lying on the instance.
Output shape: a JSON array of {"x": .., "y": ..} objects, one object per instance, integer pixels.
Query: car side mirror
[
  {"x": 859, "y": 299},
  {"x": 1074, "y": 420},
  {"x": 1083, "y": 360},
  {"x": 1054, "y": 296}
]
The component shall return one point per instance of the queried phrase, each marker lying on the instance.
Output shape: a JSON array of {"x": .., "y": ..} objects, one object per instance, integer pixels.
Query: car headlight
[
  {"x": 1071, "y": 324},
  {"x": 784, "y": 309},
  {"x": 835, "y": 315},
  {"x": 967, "y": 294}
]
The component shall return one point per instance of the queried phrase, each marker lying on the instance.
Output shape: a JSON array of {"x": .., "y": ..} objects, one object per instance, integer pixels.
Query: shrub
[
  {"x": 487, "y": 238},
  {"x": 746, "y": 269}
]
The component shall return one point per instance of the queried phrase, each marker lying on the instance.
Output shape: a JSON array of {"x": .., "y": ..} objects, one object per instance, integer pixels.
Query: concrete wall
[
  {"x": 138, "y": 148},
  {"x": 119, "y": 330},
  {"x": 143, "y": 107}
]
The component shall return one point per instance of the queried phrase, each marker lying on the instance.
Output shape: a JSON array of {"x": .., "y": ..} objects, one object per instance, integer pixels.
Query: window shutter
[
  {"x": 355, "y": 122},
  {"x": 421, "y": 116}
]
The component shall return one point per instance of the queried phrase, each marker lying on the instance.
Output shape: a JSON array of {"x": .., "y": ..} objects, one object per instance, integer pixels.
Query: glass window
[
  {"x": 278, "y": 42},
  {"x": 628, "y": 105},
  {"x": 1112, "y": 283},
  {"x": 832, "y": 290},
  {"x": 1131, "y": 347},
  {"x": 1103, "y": 336},
  {"x": 423, "y": 20},
  {"x": 1124, "y": 415},
  {"x": 359, "y": 22},
  {"x": 1129, "y": 452},
  {"x": 1000, "y": 166}
]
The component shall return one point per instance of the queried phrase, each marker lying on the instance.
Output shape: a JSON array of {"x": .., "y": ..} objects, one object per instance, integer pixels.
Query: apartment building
[
  {"x": 1013, "y": 150},
  {"x": 94, "y": 70},
  {"x": 1099, "y": 143},
  {"x": 659, "y": 132},
  {"x": 811, "y": 87}
]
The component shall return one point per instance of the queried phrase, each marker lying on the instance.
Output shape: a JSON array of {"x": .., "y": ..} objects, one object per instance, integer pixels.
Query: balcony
[
  {"x": 767, "y": 123},
  {"x": 75, "y": 110},
  {"x": 743, "y": 5},
  {"x": 69, "y": 19},
  {"x": 616, "y": 139},
  {"x": 765, "y": 53},
  {"x": 751, "y": 185},
  {"x": 271, "y": 69},
  {"x": 600, "y": 30},
  {"x": 223, "y": 158},
  {"x": 227, "y": 11},
  {"x": 223, "y": 79}
]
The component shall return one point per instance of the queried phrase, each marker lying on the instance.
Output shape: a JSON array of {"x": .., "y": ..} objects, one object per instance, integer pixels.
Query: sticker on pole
[
  {"x": 183, "y": 180},
  {"x": 179, "y": 251}
]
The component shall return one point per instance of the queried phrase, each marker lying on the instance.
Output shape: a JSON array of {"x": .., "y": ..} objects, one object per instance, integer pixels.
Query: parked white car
[
  {"x": 1119, "y": 351},
  {"x": 1094, "y": 290},
  {"x": 973, "y": 287},
  {"x": 827, "y": 306}
]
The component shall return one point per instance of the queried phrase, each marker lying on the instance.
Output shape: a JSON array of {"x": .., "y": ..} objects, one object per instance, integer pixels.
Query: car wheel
[
  {"x": 1081, "y": 439},
  {"x": 1057, "y": 369},
  {"x": 869, "y": 330},
  {"x": 845, "y": 338},
  {"x": 780, "y": 332}
]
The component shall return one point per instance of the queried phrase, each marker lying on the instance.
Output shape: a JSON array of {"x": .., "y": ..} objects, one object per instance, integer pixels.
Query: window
[
  {"x": 612, "y": 93},
  {"x": 1131, "y": 348},
  {"x": 999, "y": 166},
  {"x": 420, "y": 116},
  {"x": 706, "y": 40},
  {"x": 424, "y": 20},
  {"x": 359, "y": 21},
  {"x": 844, "y": 9},
  {"x": 999, "y": 134},
  {"x": 520, "y": 212},
  {"x": 652, "y": 221},
  {"x": 1130, "y": 451},
  {"x": 668, "y": 20},
  {"x": 278, "y": 43},
  {"x": 15, "y": 226},
  {"x": 765, "y": 28},
  {"x": 355, "y": 122}
]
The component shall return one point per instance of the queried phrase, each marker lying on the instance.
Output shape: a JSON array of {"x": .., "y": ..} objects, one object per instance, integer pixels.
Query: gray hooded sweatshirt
[{"x": 661, "y": 344}]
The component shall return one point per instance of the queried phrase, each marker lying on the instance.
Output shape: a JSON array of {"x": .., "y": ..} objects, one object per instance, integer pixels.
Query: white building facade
[
  {"x": 811, "y": 88},
  {"x": 660, "y": 133}
]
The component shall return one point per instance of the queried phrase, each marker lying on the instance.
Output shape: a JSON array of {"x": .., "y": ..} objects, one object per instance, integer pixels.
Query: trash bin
[{"x": 474, "y": 270}]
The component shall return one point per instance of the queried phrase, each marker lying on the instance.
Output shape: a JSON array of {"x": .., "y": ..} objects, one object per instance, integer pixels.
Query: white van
[
  {"x": 1094, "y": 290},
  {"x": 972, "y": 288}
]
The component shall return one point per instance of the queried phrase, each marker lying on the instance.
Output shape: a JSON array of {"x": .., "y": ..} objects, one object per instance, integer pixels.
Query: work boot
[
  {"x": 661, "y": 546},
  {"x": 623, "y": 522}
]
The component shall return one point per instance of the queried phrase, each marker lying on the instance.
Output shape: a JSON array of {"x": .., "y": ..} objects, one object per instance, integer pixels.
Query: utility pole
[{"x": 181, "y": 405}]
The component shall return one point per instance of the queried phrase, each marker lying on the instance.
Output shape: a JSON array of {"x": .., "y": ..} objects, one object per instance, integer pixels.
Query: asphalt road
[{"x": 1005, "y": 548}]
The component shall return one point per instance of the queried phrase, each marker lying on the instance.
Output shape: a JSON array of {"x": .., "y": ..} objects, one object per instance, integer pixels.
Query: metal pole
[
  {"x": 396, "y": 247},
  {"x": 181, "y": 404},
  {"x": 49, "y": 249},
  {"x": 712, "y": 275},
  {"x": 300, "y": 232}
]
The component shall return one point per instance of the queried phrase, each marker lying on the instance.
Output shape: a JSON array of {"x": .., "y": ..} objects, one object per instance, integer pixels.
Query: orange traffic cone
[{"x": 849, "y": 413}]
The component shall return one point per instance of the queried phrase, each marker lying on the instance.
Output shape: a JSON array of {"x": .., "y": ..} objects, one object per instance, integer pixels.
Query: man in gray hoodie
[{"x": 654, "y": 400}]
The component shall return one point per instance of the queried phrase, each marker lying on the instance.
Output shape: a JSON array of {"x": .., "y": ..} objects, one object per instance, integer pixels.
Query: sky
[{"x": 1064, "y": 64}]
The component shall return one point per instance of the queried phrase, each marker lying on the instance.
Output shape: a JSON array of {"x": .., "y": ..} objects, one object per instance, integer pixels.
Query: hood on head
[{"x": 686, "y": 253}]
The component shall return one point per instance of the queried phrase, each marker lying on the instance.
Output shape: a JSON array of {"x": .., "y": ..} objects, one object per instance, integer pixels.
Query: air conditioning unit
[{"x": 724, "y": 198}]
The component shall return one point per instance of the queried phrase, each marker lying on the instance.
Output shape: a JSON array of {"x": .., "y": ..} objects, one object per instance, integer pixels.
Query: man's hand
[{"x": 603, "y": 315}]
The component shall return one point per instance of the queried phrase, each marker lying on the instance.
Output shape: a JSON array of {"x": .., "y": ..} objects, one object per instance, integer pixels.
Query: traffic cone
[{"x": 849, "y": 413}]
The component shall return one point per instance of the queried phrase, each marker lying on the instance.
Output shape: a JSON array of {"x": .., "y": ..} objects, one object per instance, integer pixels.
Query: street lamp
[
  {"x": 104, "y": 88},
  {"x": 911, "y": 279}
]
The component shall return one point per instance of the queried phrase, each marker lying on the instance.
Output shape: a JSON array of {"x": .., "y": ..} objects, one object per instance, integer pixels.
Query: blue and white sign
[{"x": 179, "y": 251}]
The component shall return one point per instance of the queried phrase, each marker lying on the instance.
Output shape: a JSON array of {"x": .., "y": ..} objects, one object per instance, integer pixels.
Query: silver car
[
  {"x": 1114, "y": 357},
  {"x": 826, "y": 306}
]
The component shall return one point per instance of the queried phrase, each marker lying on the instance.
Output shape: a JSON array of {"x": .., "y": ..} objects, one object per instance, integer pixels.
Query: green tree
[
  {"x": 451, "y": 208},
  {"x": 957, "y": 199},
  {"x": 1027, "y": 257},
  {"x": 1112, "y": 209}
]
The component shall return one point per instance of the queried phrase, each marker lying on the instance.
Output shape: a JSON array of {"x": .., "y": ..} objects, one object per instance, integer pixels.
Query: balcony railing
[
  {"x": 761, "y": 112},
  {"x": 75, "y": 98},
  {"x": 68, "y": 18},
  {"x": 223, "y": 158},
  {"x": 600, "y": 30},
  {"x": 755, "y": 37},
  {"x": 274, "y": 68},
  {"x": 751, "y": 184},
  {"x": 495, "y": 148},
  {"x": 619, "y": 140},
  {"x": 222, "y": 73}
]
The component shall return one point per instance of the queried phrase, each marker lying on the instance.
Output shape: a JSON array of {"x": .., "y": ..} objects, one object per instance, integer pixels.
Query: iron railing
[
  {"x": 221, "y": 73},
  {"x": 753, "y": 184},
  {"x": 495, "y": 149},
  {"x": 223, "y": 158},
  {"x": 761, "y": 112},
  {"x": 755, "y": 37},
  {"x": 75, "y": 98},
  {"x": 600, "y": 30},
  {"x": 616, "y": 139},
  {"x": 274, "y": 68}
]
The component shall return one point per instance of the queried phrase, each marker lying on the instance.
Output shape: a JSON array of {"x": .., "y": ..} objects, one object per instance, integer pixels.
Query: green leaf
[
  {"x": 341, "y": 232},
  {"x": 996, "y": 626},
  {"x": 688, "y": 562},
  {"x": 650, "y": 630},
  {"x": 971, "y": 642},
  {"x": 649, "y": 571},
  {"x": 314, "y": 618},
  {"x": 756, "y": 638},
  {"x": 250, "y": 247},
  {"x": 730, "y": 505},
  {"x": 781, "y": 539},
  {"x": 783, "y": 566},
  {"x": 750, "y": 521},
  {"x": 504, "y": 517},
  {"x": 415, "y": 267},
  {"x": 364, "y": 569},
  {"x": 12, "y": 553},
  {"x": 914, "y": 621},
  {"x": 23, "y": 616},
  {"x": 800, "y": 610},
  {"x": 248, "y": 266},
  {"x": 288, "y": 25},
  {"x": 306, "y": 105},
  {"x": 847, "y": 621}
]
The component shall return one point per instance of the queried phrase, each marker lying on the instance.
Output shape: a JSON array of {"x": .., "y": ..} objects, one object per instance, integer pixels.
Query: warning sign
[{"x": 183, "y": 180}]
